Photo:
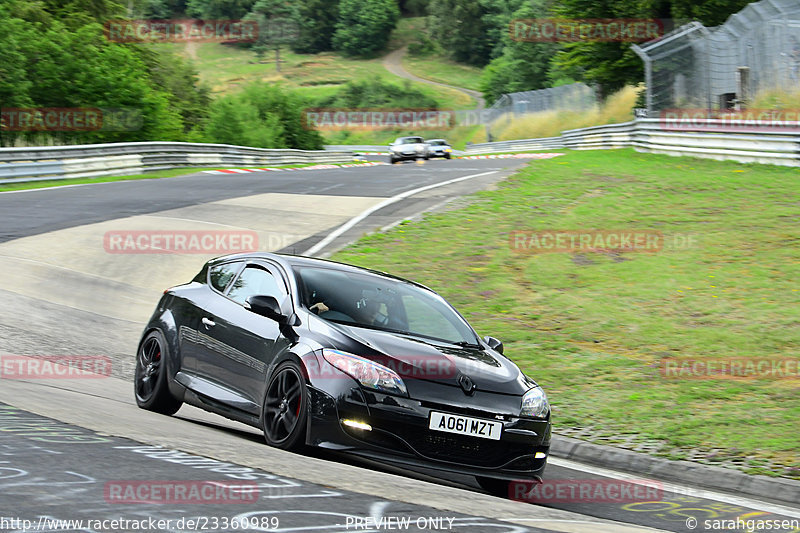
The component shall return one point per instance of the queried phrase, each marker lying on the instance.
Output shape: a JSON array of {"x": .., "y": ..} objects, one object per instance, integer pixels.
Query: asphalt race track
[{"x": 70, "y": 448}]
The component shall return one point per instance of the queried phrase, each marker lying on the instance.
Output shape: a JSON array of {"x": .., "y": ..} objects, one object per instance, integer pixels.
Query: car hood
[{"x": 415, "y": 358}]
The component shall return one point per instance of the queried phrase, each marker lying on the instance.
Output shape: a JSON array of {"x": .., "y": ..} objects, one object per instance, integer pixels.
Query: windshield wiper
[{"x": 467, "y": 344}]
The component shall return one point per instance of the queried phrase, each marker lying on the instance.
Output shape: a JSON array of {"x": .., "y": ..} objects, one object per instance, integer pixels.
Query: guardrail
[
  {"x": 647, "y": 135},
  {"x": 94, "y": 160},
  {"x": 380, "y": 148},
  {"x": 548, "y": 143}
]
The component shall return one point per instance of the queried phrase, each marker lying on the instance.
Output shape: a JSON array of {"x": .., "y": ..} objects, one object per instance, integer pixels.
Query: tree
[
  {"x": 14, "y": 83},
  {"x": 414, "y": 8},
  {"x": 186, "y": 95},
  {"x": 233, "y": 121},
  {"x": 612, "y": 65},
  {"x": 709, "y": 12},
  {"x": 263, "y": 116},
  {"x": 317, "y": 20},
  {"x": 277, "y": 22},
  {"x": 363, "y": 26},
  {"x": 376, "y": 93},
  {"x": 219, "y": 9},
  {"x": 523, "y": 66},
  {"x": 99, "y": 10},
  {"x": 459, "y": 28},
  {"x": 45, "y": 63},
  {"x": 472, "y": 31}
]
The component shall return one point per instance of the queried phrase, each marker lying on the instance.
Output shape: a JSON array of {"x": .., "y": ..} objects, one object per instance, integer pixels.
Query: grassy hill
[{"x": 227, "y": 69}]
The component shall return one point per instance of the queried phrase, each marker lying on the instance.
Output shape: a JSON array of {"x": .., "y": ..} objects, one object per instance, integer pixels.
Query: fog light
[
  {"x": 357, "y": 425},
  {"x": 540, "y": 455}
]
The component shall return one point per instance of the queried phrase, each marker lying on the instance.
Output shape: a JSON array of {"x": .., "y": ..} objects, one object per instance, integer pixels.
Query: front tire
[
  {"x": 150, "y": 378},
  {"x": 285, "y": 409}
]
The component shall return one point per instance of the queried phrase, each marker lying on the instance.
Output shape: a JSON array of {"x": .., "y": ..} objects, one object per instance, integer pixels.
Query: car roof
[{"x": 288, "y": 261}]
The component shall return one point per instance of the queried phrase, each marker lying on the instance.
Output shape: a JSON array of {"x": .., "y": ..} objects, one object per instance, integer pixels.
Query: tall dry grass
[
  {"x": 617, "y": 108},
  {"x": 776, "y": 99}
]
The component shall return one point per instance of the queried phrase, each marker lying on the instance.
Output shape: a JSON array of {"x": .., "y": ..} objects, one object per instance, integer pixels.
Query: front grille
[{"x": 463, "y": 449}]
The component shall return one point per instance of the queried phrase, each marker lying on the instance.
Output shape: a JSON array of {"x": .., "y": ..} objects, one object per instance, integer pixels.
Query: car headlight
[
  {"x": 535, "y": 404},
  {"x": 369, "y": 373},
  {"x": 447, "y": 150}
]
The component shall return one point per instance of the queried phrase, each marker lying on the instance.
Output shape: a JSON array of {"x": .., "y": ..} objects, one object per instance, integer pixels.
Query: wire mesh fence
[
  {"x": 573, "y": 97},
  {"x": 756, "y": 50}
]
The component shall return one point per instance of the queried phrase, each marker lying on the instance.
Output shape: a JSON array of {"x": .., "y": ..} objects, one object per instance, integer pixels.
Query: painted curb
[{"x": 273, "y": 169}]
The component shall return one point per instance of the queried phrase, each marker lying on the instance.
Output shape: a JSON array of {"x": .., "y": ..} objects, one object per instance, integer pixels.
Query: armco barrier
[
  {"x": 380, "y": 148},
  {"x": 646, "y": 135},
  {"x": 523, "y": 145},
  {"x": 92, "y": 160}
]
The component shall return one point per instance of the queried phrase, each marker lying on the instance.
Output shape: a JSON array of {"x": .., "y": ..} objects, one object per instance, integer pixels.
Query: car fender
[{"x": 164, "y": 321}]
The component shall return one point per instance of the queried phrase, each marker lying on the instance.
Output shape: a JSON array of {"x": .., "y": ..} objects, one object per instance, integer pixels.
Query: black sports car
[{"x": 325, "y": 354}]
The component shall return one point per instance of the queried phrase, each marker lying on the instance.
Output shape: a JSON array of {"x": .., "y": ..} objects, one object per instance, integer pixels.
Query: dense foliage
[
  {"x": 521, "y": 66},
  {"x": 379, "y": 94},
  {"x": 476, "y": 32},
  {"x": 261, "y": 115},
  {"x": 52, "y": 57},
  {"x": 53, "y": 54},
  {"x": 364, "y": 26}
]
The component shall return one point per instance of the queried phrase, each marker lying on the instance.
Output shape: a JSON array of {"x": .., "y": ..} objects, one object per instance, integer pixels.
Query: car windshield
[
  {"x": 410, "y": 140},
  {"x": 437, "y": 142},
  {"x": 377, "y": 302}
]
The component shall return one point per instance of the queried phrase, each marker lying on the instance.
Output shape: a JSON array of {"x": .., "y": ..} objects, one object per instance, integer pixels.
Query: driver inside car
[
  {"x": 319, "y": 307},
  {"x": 369, "y": 309}
]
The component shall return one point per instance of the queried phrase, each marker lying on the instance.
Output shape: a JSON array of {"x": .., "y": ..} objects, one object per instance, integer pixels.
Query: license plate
[{"x": 465, "y": 425}]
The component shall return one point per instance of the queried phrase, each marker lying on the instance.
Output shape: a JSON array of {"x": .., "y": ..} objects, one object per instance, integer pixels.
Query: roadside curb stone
[{"x": 684, "y": 472}]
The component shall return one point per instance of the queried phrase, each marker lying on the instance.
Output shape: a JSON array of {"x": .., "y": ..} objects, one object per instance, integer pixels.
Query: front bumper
[
  {"x": 406, "y": 155},
  {"x": 400, "y": 433}
]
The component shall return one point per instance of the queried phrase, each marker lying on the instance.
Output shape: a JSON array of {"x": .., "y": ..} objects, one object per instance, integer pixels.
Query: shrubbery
[
  {"x": 262, "y": 116},
  {"x": 380, "y": 93}
]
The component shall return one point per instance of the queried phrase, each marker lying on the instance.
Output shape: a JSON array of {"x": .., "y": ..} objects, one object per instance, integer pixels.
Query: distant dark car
[
  {"x": 408, "y": 148},
  {"x": 319, "y": 353},
  {"x": 439, "y": 148}
]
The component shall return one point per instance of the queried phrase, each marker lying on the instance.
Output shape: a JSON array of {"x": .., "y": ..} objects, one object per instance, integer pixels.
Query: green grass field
[
  {"x": 227, "y": 69},
  {"x": 435, "y": 67},
  {"x": 443, "y": 70},
  {"x": 594, "y": 328}
]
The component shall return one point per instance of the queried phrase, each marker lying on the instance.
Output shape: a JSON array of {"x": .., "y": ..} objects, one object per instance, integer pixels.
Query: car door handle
[{"x": 207, "y": 322}]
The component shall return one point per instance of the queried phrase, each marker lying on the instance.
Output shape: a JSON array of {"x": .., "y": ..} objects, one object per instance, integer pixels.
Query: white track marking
[
  {"x": 678, "y": 489},
  {"x": 389, "y": 201}
]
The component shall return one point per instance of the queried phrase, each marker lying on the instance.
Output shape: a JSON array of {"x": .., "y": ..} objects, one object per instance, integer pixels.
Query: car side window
[
  {"x": 221, "y": 275},
  {"x": 254, "y": 281}
]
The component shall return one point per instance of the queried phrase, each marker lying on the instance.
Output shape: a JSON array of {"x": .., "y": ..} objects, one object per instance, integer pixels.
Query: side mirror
[
  {"x": 266, "y": 306},
  {"x": 494, "y": 344}
]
